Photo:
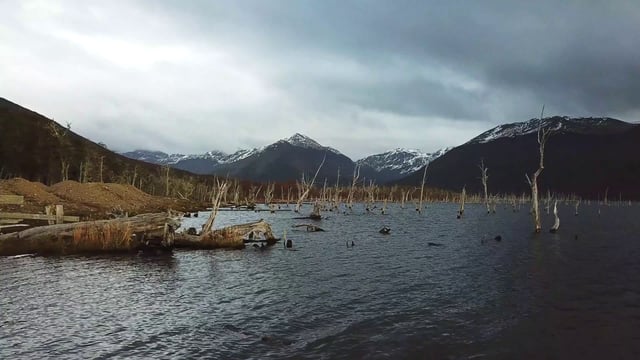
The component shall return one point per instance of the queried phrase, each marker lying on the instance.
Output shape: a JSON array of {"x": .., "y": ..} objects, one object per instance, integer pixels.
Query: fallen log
[
  {"x": 115, "y": 235},
  {"x": 309, "y": 227},
  {"x": 230, "y": 237}
]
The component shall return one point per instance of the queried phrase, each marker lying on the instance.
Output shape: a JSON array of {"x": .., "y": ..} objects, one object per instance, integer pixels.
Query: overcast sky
[{"x": 360, "y": 76}]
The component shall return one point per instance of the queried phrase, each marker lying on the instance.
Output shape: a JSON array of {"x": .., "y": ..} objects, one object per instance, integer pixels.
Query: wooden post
[
  {"x": 59, "y": 214},
  {"x": 49, "y": 212}
]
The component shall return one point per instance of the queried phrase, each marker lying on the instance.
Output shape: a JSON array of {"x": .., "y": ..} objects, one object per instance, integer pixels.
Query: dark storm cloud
[
  {"x": 577, "y": 56},
  {"x": 427, "y": 73}
]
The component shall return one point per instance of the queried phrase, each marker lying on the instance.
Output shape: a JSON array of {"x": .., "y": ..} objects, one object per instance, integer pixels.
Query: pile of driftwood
[
  {"x": 154, "y": 232},
  {"x": 231, "y": 237},
  {"x": 115, "y": 235}
]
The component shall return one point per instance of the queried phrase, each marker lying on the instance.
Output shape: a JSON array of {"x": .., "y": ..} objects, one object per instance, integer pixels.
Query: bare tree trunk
[
  {"x": 307, "y": 186},
  {"x": 354, "y": 181},
  {"x": 336, "y": 200},
  {"x": 463, "y": 196},
  {"x": 101, "y": 168},
  {"x": 484, "y": 177},
  {"x": 216, "y": 199},
  {"x": 424, "y": 179},
  {"x": 543, "y": 136},
  {"x": 166, "y": 168},
  {"x": 556, "y": 224}
]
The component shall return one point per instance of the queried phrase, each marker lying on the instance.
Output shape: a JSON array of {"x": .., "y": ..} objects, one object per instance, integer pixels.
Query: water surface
[{"x": 574, "y": 294}]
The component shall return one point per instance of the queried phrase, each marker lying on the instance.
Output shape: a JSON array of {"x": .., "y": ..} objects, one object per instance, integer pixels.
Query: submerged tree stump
[{"x": 115, "y": 235}]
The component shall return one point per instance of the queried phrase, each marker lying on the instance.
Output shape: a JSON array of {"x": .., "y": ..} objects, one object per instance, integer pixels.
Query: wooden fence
[{"x": 53, "y": 215}]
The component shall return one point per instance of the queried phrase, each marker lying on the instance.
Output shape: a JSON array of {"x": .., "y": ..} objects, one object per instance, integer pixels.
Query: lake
[{"x": 574, "y": 294}]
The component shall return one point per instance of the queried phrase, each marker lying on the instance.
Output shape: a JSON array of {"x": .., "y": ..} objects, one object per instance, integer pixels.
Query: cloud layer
[{"x": 360, "y": 76}]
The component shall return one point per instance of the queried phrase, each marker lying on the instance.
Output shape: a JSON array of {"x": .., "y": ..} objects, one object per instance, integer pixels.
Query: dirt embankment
[{"x": 90, "y": 200}]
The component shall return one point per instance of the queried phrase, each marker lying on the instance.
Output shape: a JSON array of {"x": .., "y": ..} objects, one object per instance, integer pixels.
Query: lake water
[{"x": 574, "y": 294}]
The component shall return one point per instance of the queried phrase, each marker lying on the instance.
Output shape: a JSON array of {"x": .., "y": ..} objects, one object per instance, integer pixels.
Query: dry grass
[{"x": 111, "y": 237}]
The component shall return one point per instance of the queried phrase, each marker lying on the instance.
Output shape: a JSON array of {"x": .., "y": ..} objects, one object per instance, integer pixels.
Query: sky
[{"x": 360, "y": 76}]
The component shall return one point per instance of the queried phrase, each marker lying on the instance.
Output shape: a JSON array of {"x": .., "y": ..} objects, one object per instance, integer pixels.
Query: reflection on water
[{"x": 575, "y": 294}]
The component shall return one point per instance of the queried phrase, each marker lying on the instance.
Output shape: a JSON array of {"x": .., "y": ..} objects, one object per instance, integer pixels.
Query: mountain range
[
  {"x": 587, "y": 157},
  {"x": 583, "y": 156},
  {"x": 287, "y": 159}
]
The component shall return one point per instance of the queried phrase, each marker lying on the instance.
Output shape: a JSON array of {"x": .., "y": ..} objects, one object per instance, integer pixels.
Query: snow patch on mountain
[
  {"x": 304, "y": 141},
  {"x": 215, "y": 156},
  {"x": 557, "y": 123},
  {"x": 154, "y": 157},
  {"x": 402, "y": 161}
]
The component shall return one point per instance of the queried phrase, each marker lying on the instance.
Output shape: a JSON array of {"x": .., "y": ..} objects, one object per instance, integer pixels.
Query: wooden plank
[
  {"x": 8, "y": 215},
  {"x": 11, "y": 200},
  {"x": 13, "y": 226},
  {"x": 9, "y": 221}
]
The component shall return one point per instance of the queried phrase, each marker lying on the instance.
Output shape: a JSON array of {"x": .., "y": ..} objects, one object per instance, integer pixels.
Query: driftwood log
[
  {"x": 115, "y": 235},
  {"x": 309, "y": 227},
  {"x": 230, "y": 237}
]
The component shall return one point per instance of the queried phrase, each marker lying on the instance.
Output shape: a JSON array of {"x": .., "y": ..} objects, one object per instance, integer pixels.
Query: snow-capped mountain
[
  {"x": 196, "y": 163},
  {"x": 559, "y": 124},
  {"x": 306, "y": 142},
  {"x": 208, "y": 162},
  {"x": 401, "y": 161},
  {"x": 154, "y": 157},
  {"x": 288, "y": 158}
]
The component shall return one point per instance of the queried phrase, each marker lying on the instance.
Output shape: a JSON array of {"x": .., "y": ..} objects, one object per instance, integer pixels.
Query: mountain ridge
[{"x": 389, "y": 166}]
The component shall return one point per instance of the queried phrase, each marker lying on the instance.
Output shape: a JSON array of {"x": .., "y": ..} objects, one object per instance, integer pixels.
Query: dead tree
[
  {"x": 404, "y": 194},
  {"x": 237, "y": 189},
  {"x": 166, "y": 179},
  {"x": 463, "y": 196},
  {"x": 336, "y": 200},
  {"x": 384, "y": 206},
  {"x": 556, "y": 224},
  {"x": 221, "y": 189},
  {"x": 323, "y": 194},
  {"x": 543, "y": 136},
  {"x": 268, "y": 196},
  {"x": 60, "y": 133},
  {"x": 424, "y": 178},
  {"x": 484, "y": 177},
  {"x": 268, "y": 193},
  {"x": 548, "y": 202},
  {"x": 306, "y": 186},
  {"x": 370, "y": 195},
  {"x": 252, "y": 198},
  {"x": 101, "y": 168},
  {"x": 352, "y": 188}
]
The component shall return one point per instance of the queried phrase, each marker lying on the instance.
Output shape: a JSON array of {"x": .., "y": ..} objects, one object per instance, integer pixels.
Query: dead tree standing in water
[
  {"x": 352, "y": 189},
  {"x": 305, "y": 186},
  {"x": 424, "y": 178},
  {"x": 543, "y": 136},
  {"x": 556, "y": 224},
  {"x": 484, "y": 177},
  {"x": 268, "y": 196},
  {"x": 463, "y": 195}
]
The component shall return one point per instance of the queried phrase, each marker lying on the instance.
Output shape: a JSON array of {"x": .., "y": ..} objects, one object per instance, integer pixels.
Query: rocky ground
[{"x": 89, "y": 200}]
